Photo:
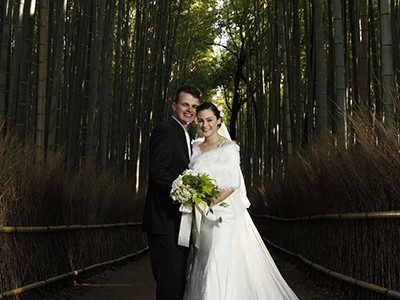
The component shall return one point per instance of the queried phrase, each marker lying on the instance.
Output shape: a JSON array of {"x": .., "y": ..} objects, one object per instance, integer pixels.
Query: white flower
[
  {"x": 191, "y": 188},
  {"x": 188, "y": 172},
  {"x": 221, "y": 111},
  {"x": 177, "y": 182}
]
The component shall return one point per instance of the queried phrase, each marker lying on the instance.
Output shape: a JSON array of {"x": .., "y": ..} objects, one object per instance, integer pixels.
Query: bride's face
[{"x": 207, "y": 122}]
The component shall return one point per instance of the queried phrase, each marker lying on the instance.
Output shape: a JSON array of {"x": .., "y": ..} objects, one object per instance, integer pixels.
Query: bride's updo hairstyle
[{"x": 209, "y": 105}]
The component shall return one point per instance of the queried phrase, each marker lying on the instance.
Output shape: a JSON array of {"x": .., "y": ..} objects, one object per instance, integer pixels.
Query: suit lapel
[{"x": 182, "y": 136}]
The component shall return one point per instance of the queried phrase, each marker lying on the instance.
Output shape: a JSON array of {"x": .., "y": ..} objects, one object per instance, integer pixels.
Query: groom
[{"x": 170, "y": 151}]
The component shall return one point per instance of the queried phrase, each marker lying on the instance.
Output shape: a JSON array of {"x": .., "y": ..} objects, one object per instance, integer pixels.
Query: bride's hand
[{"x": 221, "y": 197}]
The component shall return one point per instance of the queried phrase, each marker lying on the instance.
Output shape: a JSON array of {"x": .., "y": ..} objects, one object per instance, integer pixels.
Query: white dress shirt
[{"x": 188, "y": 141}]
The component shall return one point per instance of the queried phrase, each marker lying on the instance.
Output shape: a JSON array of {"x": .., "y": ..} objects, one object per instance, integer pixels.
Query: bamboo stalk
[
  {"x": 363, "y": 284},
  {"x": 73, "y": 273},
  {"x": 346, "y": 216},
  {"x": 37, "y": 229}
]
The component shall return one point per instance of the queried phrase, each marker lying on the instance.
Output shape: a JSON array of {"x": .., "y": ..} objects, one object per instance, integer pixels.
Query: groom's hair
[{"x": 190, "y": 89}]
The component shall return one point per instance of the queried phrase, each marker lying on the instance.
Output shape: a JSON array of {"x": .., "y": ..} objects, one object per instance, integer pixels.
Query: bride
[{"x": 230, "y": 259}]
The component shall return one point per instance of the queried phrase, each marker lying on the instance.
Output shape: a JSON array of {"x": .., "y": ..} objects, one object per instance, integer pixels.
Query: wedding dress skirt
[{"x": 231, "y": 261}]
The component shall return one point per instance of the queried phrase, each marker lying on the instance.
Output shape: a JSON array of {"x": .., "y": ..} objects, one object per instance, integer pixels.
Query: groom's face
[{"x": 185, "y": 108}]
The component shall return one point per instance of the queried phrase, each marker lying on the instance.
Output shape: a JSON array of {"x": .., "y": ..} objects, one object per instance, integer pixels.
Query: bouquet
[
  {"x": 193, "y": 188},
  {"x": 193, "y": 191}
]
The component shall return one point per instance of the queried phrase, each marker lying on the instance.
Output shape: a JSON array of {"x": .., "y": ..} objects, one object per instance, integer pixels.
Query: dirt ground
[{"x": 133, "y": 281}]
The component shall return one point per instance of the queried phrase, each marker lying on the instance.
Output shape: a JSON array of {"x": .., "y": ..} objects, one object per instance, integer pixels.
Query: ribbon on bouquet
[
  {"x": 201, "y": 210},
  {"x": 185, "y": 227}
]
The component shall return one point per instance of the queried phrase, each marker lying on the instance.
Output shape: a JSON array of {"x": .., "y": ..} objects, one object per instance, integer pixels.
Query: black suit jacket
[{"x": 169, "y": 157}]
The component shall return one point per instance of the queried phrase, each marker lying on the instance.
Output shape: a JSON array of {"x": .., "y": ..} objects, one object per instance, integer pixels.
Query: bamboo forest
[{"x": 309, "y": 90}]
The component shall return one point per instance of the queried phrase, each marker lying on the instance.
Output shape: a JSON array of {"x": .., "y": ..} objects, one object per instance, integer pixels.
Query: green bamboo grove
[
  {"x": 93, "y": 77},
  {"x": 309, "y": 90}
]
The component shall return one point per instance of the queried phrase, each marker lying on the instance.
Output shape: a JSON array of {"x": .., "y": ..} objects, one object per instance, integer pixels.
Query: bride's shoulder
[
  {"x": 224, "y": 141},
  {"x": 228, "y": 143},
  {"x": 229, "y": 148}
]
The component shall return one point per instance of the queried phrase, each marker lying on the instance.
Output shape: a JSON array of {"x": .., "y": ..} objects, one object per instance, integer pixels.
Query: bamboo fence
[
  {"x": 334, "y": 274},
  {"x": 346, "y": 216},
  {"x": 360, "y": 283},
  {"x": 306, "y": 235},
  {"x": 33, "y": 229},
  {"x": 74, "y": 273},
  {"x": 43, "y": 235}
]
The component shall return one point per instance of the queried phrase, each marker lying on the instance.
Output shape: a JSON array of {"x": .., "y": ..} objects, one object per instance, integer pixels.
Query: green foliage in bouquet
[{"x": 193, "y": 188}]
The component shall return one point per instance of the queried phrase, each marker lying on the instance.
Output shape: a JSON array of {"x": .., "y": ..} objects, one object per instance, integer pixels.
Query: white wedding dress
[{"x": 231, "y": 261}]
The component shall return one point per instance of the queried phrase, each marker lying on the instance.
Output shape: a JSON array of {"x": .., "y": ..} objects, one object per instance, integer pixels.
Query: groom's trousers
[{"x": 169, "y": 265}]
